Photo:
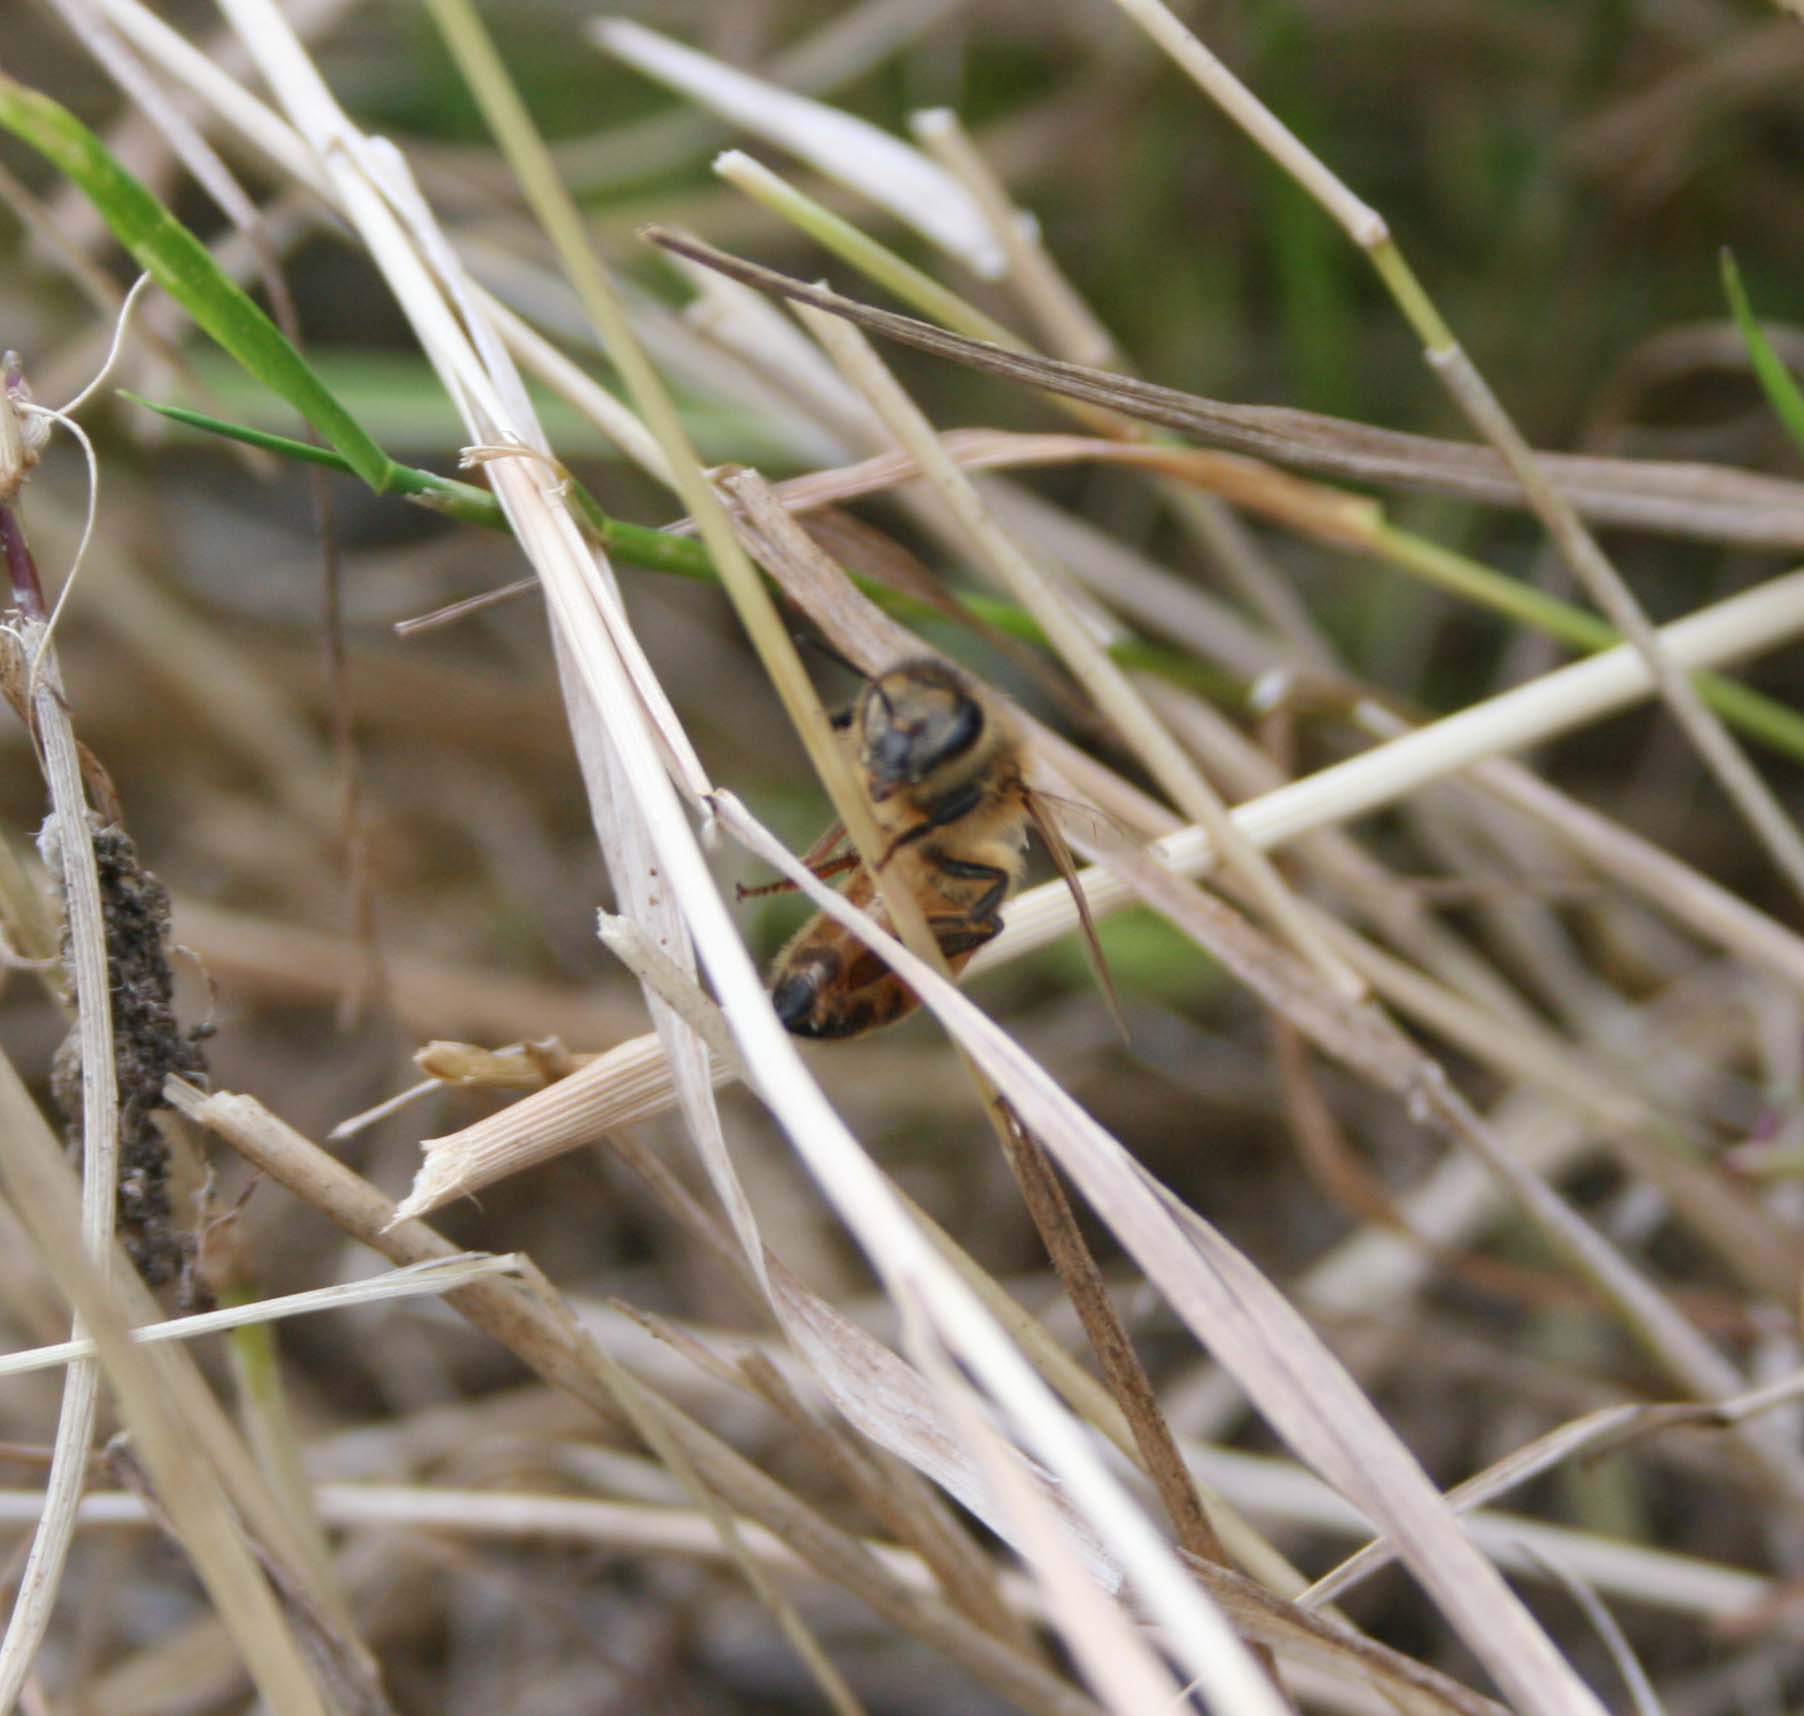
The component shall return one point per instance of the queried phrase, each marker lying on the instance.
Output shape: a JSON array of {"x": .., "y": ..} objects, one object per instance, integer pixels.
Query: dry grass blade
[
  {"x": 1311, "y": 508},
  {"x": 1517, "y": 1467},
  {"x": 1596, "y": 1434},
  {"x": 1297, "y": 1633},
  {"x": 899, "y": 177},
  {"x": 1604, "y": 1624},
  {"x": 396, "y": 1284},
  {"x": 1716, "y": 503},
  {"x": 1120, "y": 1364},
  {"x": 1671, "y": 1584},
  {"x": 910, "y": 1507}
]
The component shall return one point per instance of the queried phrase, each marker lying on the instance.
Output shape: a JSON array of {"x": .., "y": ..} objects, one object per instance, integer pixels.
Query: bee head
[{"x": 918, "y": 719}]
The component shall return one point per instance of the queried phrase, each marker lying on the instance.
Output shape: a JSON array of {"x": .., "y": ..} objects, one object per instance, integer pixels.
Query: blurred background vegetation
[{"x": 1562, "y": 175}]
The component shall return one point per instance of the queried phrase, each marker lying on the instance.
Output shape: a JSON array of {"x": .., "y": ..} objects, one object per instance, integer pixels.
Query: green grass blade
[
  {"x": 179, "y": 263},
  {"x": 1769, "y": 369},
  {"x": 458, "y": 500}
]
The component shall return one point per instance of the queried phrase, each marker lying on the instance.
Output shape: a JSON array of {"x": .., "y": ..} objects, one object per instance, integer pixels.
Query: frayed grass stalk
[{"x": 628, "y": 1083}]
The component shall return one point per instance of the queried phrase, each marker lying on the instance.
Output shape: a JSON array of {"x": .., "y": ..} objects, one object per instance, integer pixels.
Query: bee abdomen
[
  {"x": 812, "y": 997},
  {"x": 809, "y": 975}
]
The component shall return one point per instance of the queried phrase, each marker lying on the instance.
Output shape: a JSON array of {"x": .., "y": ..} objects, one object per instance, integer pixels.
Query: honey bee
[{"x": 943, "y": 765}]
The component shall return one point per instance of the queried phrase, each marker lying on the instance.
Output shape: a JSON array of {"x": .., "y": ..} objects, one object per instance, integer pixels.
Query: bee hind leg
[
  {"x": 984, "y": 906},
  {"x": 965, "y": 935},
  {"x": 821, "y": 869}
]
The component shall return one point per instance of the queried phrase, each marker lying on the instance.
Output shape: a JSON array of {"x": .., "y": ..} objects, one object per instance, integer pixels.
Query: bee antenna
[{"x": 811, "y": 640}]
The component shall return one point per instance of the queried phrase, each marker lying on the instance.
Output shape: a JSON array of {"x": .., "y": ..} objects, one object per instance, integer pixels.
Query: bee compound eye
[{"x": 958, "y": 731}]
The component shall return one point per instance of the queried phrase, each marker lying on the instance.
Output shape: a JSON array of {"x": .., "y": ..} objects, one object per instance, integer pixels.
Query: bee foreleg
[{"x": 955, "y": 805}]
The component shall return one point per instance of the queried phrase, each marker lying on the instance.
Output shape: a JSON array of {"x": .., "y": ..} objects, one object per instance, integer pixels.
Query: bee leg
[
  {"x": 956, "y": 804},
  {"x": 819, "y": 859},
  {"x": 984, "y": 906},
  {"x": 829, "y": 867},
  {"x": 958, "y": 936}
]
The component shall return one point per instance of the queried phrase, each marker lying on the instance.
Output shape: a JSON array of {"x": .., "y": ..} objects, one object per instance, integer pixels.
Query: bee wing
[
  {"x": 1101, "y": 821},
  {"x": 1035, "y": 802}
]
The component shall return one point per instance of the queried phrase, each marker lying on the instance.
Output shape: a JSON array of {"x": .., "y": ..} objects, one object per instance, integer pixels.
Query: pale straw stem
[{"x": 74, "y": 855}]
